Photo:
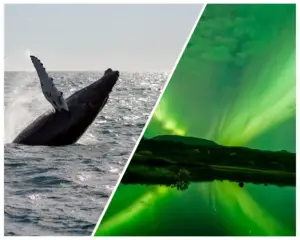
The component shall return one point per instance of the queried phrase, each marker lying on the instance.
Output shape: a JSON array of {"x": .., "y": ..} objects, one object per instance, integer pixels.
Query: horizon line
[{"x": 128, "y": 71}]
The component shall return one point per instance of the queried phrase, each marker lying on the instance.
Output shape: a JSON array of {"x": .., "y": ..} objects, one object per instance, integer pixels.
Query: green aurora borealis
[{"x": 235, "y": 84}]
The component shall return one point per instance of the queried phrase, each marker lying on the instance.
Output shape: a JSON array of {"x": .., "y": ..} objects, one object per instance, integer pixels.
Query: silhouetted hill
[{"x": 160, "y": 159}]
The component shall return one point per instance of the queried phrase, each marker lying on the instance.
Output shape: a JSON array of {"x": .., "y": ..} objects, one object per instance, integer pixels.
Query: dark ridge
[{"x": 159, "y": 161}]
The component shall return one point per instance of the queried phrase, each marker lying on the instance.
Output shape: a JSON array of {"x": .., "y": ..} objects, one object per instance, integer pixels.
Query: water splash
[
  {"x": 23, "y": 104},
  {"x": 28, "y": 52}
]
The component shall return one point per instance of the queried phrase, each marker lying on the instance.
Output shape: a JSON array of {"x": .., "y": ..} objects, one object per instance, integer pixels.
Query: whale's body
[{"x": 58, "y": 128}]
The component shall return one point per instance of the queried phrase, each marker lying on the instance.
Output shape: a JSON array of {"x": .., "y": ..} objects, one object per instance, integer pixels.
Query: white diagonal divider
[{"x": 149, "y": 119}]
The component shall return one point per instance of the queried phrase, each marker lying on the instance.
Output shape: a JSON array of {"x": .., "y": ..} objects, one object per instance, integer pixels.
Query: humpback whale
[{"x": 70, "y": 118}]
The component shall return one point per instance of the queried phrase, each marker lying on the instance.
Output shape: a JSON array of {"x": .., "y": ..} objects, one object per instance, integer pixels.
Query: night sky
[{"x": 235, "y": 83}]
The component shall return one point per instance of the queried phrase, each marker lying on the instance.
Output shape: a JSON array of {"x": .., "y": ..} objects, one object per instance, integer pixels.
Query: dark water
[
  {"x": 203, "y": 209},
  {"x": 63, "y": 190}
]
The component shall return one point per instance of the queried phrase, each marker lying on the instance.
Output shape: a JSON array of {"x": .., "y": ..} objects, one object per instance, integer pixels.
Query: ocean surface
[{"x": 63, "y": 190}]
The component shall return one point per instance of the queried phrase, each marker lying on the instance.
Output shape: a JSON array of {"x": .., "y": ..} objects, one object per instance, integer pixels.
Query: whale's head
[{"x": 95, "y": 96}]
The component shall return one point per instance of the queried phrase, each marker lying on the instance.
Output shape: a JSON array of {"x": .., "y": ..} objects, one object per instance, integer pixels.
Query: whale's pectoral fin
[{"x": 49, "y": 90}]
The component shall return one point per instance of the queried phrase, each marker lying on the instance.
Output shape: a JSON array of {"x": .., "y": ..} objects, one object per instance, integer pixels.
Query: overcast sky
[{"x": 95, "y": 37}]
